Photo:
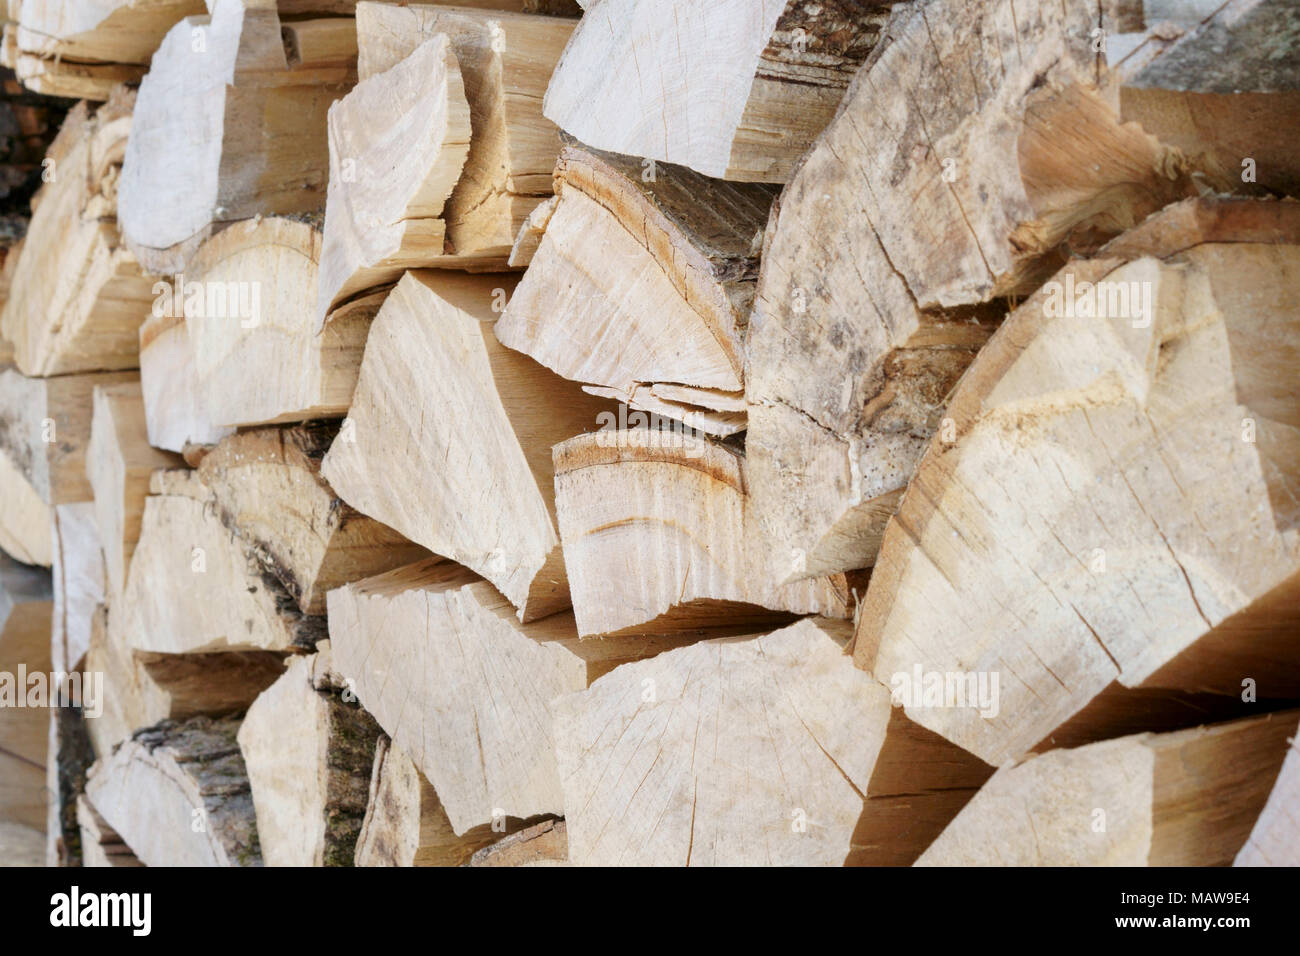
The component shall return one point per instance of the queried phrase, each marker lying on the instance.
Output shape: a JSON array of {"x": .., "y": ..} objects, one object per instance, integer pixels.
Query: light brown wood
[
  {"x": 1275, "y": 838},
  {"x": 119, "y": 461},
  {"x": 543, "y": 844},
  {"x": 766, "y": 750},
  {"x": 25, "y": 520},
  {"x": 309, "y": 755},
  {"x": 438, "y": 656},
  {"x": 1187, "y": 798},
  {"x": 267, "y": 489},
  {"x": 112, "y": 31},
  {"x": 78, "y": 580},
  {"x": 733, "y": 89},
  {"x": 176, "y": 409},
  {"x": 656, "y": 535},
  {"x": 225, "y": 128},
  {"x": 178, "y": 794},
  {"x": 257, "y": 355},
  {"x": 26, "y": 606},
  {"x": 101, "y": 845},
  {"x": 77, "y": 301},
  {"x": 460, "y": 428},
  {"x": 1074, "y": 533}
]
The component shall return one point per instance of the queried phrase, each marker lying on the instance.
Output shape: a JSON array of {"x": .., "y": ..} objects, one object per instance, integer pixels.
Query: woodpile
[{"x": 620, "y": 433}]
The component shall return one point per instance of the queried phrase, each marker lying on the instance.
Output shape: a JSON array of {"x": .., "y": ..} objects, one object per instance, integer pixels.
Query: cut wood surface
[
  {"x": 178, "y": 794},
  {"x": 176, "y": 410},
  {"x": 653, "y": 756},
  {"x": 225, "y": 128},
  {"x": 1075, "y": 533},
  {"x": 1187, "y": 798},
  {"x": 101, "y": 845},
  {"x": 119, "y": 461},
  {"x": 25, "y": 520},
  {"x": 398, "y": 142},
  {"x": 543, "y": 844},
  {"x": 1275, "y": 838},
  {"x": 78, "y": 581},
  {"x": 642, "y": 276},
  {"x": 193, "y": 586},
  {"x": 257, "y": 357},
  {"x": 652, "y": 78},
  {"x": 505, "y": 61},
  {"x": 45, "y": 427},
  {"x": 860, "y": 329},
  {"x": 267, "y": 488},
  {"x": 309, "y": 786},
  {"x": 656, "y": 537},
  {"x": 438, "y": 656},
  {"x": 77, "y": 303},
  {"x": 112, "y": 31},
  {"x": 405, "y": 824},
  {"x": 461, "y": 428}
]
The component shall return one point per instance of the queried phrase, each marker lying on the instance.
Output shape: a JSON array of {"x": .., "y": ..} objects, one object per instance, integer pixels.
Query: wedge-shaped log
[
  {"x": 640, "y": 77},
  {"x": 398, "y": 143},
  {"x": 225, "y": 128},
  {"x": 178, "y": 794},
  {"x": 46, "y": 427},
  {"x": 505, "y": 62},
  {"x": 119, "y": 461},
  {"x": 1186, "y": 798},
  {"x": 193, "y": 586},
  {"x": 267, "y": 488},
  {"x": 309, "y": 786},
  {"x": 25, "y": 520},
  {"x": 144, "y": 688},
  {"x": 1074, "y": 533},
  {"x": 108, "y": 31},
  {"x": 766, "y": 750},
  {"x": 257, "y": 355},
  {"x": 78, "y": 580},
  {"x": 438, "y": 656},
  {"x": 26, "y": 606},
  {"x": 641, "y": 277},
  {"x": 450, "y": 434},
  {"x": 78, "y": 296},
  {"x": 656, "y": 537},
  {"x": 176, "y": 409},
  {"x": 976, "y": 131},
  {"x": 1275, "y": 838},
  {"x": 405, "y": 824}
]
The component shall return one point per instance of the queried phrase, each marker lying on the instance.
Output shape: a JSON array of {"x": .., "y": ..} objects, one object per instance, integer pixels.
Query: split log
[
  {"x": 732, "y": 89},
  {"x": 309, "y": 754},
  {"x": 267, "y": 489},
  {"x": 101, "y": 845},
  {"x": 78, "y": 296},
  {"x": 985, "y": 134},
  {"x": 119, "y": 461},
  {"x": 21, "y": 845},
  {"x": 26, "y": 606},
  {"x": 505, "y": 61},
  {"x": 257, "y": 355},
  {"x": 178, "y": 794},
  {"x": 481, "y": 495},
  {"x": 78, "y": 579},
  {"x": 72, "y": 80},
  {"x": 544, "y": 844},
  {"x": 45, "y": 429},
  {"x": 655, "y": 527},
  {"x": 641, "y": 276},
  {"x": 805, "y": 761},
  {"x": 405, "y": 824},
  {"x": 225, "y": 128},
  {"x": 1186, "y": 798},
  {"x": 176, "y": 409},
  {"x": 398, "y": 143},
  {"x": 145, "y": 688},
  {"x": 26, "y": 522},
  {"x": 436, "y": 654},
  {"x": 110, "y": 31},
  {"x": 194, "y": 587},
  {"x": 1074, "y": 533},
  {"x": 1275, "y": 838}
]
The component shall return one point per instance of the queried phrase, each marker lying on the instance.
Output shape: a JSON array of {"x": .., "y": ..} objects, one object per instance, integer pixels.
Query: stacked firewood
[{"x": 654, "y": 432}]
